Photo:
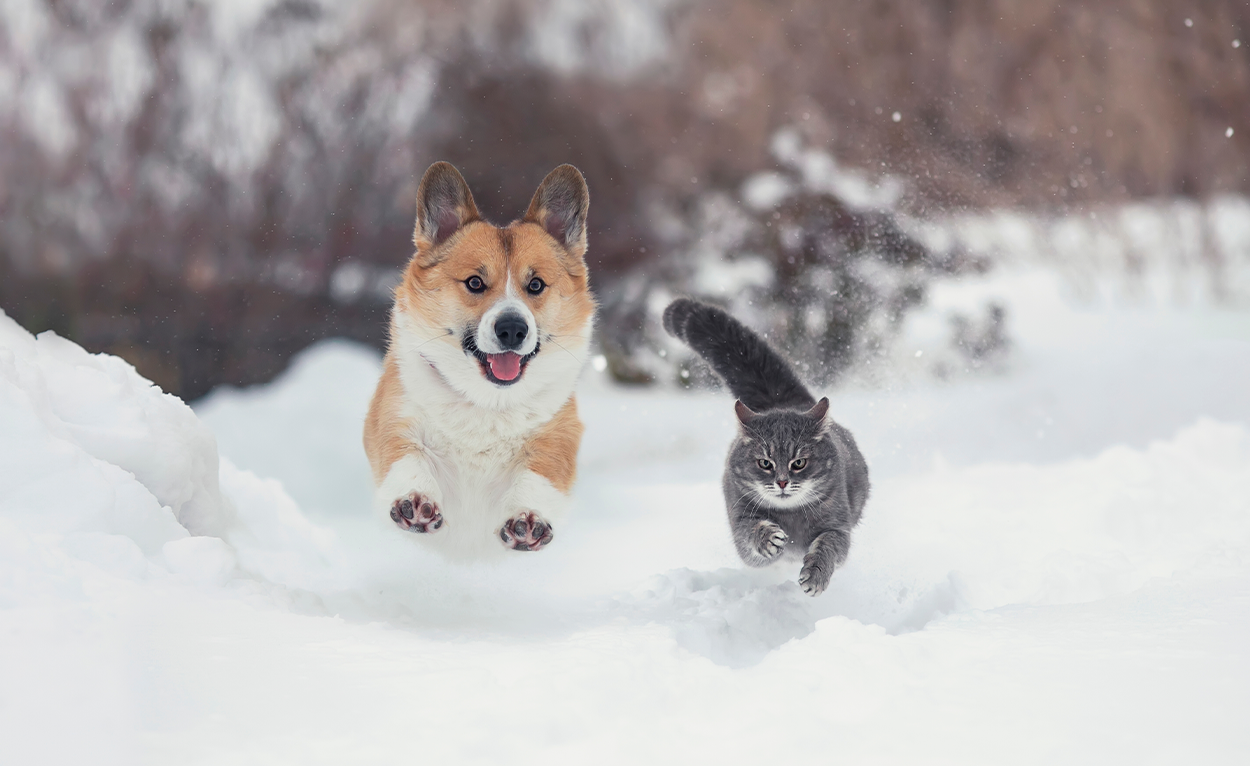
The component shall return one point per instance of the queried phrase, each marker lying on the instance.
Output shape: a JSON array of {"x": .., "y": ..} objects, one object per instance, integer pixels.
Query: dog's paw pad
[
  {"x": 415, "y": 512},
  {"x": 526, "y": 532}
]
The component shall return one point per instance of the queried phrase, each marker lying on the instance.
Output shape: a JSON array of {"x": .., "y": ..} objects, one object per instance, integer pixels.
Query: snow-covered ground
[{"x": 1054, "y": 567}]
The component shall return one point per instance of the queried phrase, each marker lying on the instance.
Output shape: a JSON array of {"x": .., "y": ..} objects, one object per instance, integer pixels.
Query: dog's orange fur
[
  {"x": 552, "y": 453},
  {"x": 385, "y": 427}
]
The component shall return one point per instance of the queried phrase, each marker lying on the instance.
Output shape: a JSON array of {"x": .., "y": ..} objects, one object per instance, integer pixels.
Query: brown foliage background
[{"x": 164, "y": 231}]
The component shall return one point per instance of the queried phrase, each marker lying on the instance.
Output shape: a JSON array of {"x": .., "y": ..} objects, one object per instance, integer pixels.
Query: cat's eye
[
  {"x": 798, "y": 464},
  {"x": 536, "y": 286},
  {"x": 767, "y": 465},
  {"x": 475, "y": 284}
]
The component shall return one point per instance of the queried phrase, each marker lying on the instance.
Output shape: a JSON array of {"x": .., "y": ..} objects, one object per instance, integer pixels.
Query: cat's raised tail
[{"x": 754, "y": 372}]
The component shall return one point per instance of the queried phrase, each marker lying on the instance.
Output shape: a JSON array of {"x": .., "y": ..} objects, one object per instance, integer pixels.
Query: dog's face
[{"x": 504, "y": 313}]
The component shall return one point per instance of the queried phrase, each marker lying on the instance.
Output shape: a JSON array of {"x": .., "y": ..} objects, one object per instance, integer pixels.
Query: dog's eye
[
  {"x": 475, "y": 284},
  {"x": 767, "y": 465},
  {"x": 799, "y": 464},
  {"x": 536, "y": 286}
]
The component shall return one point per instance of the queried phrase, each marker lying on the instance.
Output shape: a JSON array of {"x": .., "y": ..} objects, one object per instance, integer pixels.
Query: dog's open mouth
[
  {"x": 505, "y": 366},
  {"x": 501, "y": 369}
]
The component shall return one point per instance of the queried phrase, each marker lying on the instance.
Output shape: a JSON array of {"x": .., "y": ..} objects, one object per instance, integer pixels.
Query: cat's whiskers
[
  {"x": 748, "y": 495},
  {"x": 817, "y": 499}
]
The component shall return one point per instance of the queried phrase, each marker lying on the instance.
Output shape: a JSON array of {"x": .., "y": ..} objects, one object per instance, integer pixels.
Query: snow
[
  {"x": 46, "y": 116},
  {"x": 764, "y": 191},
  {"x": 1165, "y": 251},
  {"x": 614, "y": 38},
  {"x": 1054, "y": 567},
  {"x": 821, "y": 173},
  {"x": 146, "y": 464}
]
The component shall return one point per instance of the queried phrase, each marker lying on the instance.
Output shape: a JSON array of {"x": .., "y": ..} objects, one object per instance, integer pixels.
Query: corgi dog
[{"x": 472, "y": 434}]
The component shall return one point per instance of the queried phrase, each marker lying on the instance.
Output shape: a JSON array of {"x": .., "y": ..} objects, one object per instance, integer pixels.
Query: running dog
[{"x": 473, "y": 432}]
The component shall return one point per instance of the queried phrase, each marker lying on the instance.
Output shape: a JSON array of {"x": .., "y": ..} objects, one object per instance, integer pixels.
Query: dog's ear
[
  {"x": 560, "y": 206},
  {"x": 444, "y": 206}
]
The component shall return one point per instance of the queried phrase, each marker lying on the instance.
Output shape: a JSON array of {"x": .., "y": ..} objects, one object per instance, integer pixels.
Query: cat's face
[{"x": 784, "y": 459}]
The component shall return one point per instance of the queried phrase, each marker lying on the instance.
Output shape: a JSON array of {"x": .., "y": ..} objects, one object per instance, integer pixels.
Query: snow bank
[{"x": 138, "y": 461}]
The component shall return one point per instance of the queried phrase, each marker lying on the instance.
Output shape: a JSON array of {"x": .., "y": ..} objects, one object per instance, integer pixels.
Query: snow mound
[
  {"x": 129, "y": 478},
  {"x": 997, "y": 535},
  {"x": 91, "y": 443},
  {"x": 305, "y": 426}
]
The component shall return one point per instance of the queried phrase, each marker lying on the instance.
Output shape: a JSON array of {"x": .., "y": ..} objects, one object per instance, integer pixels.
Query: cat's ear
[
  {"x": 745, "y": 414},
  {"x": 819, "y": 411},
  {"x": 444, "y": 206}
]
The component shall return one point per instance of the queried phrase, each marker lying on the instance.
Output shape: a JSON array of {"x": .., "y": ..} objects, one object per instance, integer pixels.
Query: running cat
[{"x": 795, "y": 483}]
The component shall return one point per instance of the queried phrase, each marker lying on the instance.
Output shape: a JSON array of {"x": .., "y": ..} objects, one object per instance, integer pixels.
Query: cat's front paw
[
  {"x": 770, "y": 539},
  {"x": 415, "y": 512},
  {"x": 526, "y": 532},
  {"x": 813, "y": 578}
]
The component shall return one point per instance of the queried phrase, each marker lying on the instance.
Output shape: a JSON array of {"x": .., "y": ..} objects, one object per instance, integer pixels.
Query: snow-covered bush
[{"x": 816, "y": 256}]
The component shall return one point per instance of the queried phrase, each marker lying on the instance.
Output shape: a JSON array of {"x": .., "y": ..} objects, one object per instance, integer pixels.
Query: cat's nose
[{"x": 782, "y": 483}]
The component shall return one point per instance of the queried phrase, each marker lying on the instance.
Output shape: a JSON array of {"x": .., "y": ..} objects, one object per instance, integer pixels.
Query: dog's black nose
[{"x": 511, "y": 330}]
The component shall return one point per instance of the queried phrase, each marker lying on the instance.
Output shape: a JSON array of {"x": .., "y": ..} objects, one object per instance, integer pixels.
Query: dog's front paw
[
  {"x": 415, "y": 512},
  {"x": 770, "y": 539},
  {"x": 813, "y": 578},
  {"x": 526, "y": 532}
]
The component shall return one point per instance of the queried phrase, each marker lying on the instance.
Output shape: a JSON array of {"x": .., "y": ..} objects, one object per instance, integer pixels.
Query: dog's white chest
[{"x": 477, "y": 458}]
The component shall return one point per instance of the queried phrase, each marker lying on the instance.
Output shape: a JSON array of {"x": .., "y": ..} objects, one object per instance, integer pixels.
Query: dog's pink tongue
[{"x": 505, "y": 366}]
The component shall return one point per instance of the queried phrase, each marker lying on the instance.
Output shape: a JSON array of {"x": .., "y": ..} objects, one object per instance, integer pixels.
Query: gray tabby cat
[{"x": 795, "y": 483}]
